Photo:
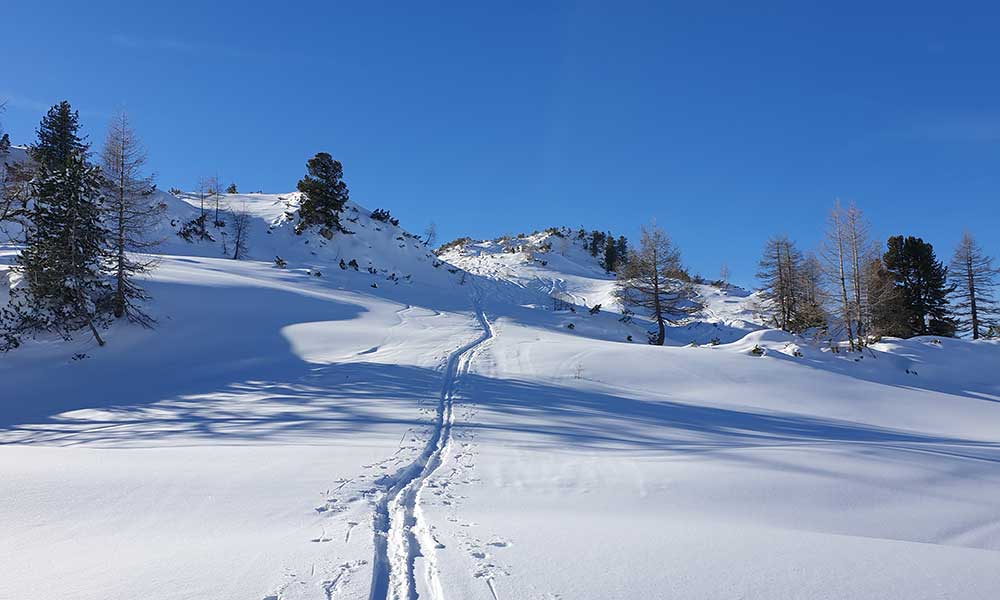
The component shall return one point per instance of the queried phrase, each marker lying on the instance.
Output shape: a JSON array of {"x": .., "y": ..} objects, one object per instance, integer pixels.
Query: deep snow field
[{"x": 431, "y": 427}]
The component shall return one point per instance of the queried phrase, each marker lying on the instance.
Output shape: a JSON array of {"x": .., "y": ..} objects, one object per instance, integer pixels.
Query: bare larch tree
[
  {"x": 835, "y": 255},
  {"x": 131, "y": 213},
  {"x": 974, "y": 277},
  {"x": 777, "y": 275},
  {"x": 646, "y": 282},
  {"x": 241, "y": 219},
  {"x": 790, "y": 284}
]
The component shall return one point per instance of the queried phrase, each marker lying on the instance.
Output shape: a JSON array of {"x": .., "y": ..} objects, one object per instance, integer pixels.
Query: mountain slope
[{"x": 432, "y": 426}]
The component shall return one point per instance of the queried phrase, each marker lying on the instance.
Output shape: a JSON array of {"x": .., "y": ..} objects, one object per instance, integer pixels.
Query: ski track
[{"x": 402, "y": 533}]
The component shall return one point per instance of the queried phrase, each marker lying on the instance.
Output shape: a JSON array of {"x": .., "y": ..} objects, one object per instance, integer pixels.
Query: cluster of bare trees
[
  {"x": 846, "y": 254},
  {"x": 14, "y": 188},
  {"x": 852, "y": 291},
  {"x": 791, "y": 283},
  {"x": 212, "y": 199}
]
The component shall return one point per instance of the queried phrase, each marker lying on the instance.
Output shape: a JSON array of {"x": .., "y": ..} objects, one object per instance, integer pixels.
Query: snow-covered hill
[
  {"x": 553, "y": 264},
  {"x": 430, "y": 426}
]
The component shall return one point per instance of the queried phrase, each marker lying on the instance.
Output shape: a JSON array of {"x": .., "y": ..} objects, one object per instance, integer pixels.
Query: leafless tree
[
  {"x": 132, "y": 214},
  {"x": 10, "y": 207},
  {"x": 430, "y": 235},
  {"x": 724, "y": 274},
  {"x": 777, "y": 275},
  {"x": 836, "y": 262},
  {"x": 790, "y": 283},
  {"x": 861, "y": 253},
  {"x": 241, "y": 220},
  {"x": 210, "y": 188},
  {"x": 850, "y": 259},
  {"x": 204, "y": 187},
  {"x": 974, "y": 277},
  {"x": 646, "y": 282}
]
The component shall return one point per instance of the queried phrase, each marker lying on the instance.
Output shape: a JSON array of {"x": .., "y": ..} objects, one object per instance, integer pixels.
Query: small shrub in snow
[
  {"x": 280, "y": 262},
  {"x": 195, "y": 230},
  {"x": 353, "y": 264},
  {"x": 343, "y": 265},
  {"x": 715, "y": 341},
  {"x": 571, "y": 326},
  {"x": 383, "y": 215},
  {"x": 454, "y": 244},
  {"x": 596, "y": 309},
  {"x": 757, "y": 350}
]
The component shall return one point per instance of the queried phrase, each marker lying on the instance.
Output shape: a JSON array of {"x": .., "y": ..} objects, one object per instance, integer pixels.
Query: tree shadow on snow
[
  {"x": 218, "y": 370},
  {"x": 548, "y": 416}
]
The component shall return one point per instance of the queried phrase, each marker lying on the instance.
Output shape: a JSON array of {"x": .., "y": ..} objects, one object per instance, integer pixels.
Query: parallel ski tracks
[{"x": 401, "y": 532}]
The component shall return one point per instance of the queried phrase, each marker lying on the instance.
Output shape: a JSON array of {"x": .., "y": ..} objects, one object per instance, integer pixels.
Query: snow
[{"x": 283, "y": 434}]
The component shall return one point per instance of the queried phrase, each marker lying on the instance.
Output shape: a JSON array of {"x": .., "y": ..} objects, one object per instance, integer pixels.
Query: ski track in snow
[{"x": 402, "y": 533}]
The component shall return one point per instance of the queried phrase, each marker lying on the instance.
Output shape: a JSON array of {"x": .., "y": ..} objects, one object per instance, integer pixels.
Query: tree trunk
[
  {"x": 843, "y": 284},
  {"x": 972, "y": 296},
  {"x": 657, "y": 306},
  {"x": 856, "y": 282},
  {"x": 119, "y": 310}
]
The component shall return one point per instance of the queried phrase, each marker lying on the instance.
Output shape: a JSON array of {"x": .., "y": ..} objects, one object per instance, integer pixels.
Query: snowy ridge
[
  {"x": 533, "y": 269},
  {"x": 385, "y": 247}
]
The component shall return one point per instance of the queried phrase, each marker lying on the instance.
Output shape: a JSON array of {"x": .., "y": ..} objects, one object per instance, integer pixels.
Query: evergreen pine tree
[
  {"x": 596, "y": 244},
  {"x": 887, "y": 311},
  {"x": 324, "y": 194},
  {"x": 611, "y": 259},
  {"x": 622, "y": 250},
  {"x": 922, "y": 283},
  {"x": 62, "y": 263},
  {"x": 58, "y": 139}
]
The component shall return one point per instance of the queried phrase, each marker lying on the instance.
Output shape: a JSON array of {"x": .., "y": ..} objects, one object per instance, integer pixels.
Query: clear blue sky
[{"x": 723, "y": 122}]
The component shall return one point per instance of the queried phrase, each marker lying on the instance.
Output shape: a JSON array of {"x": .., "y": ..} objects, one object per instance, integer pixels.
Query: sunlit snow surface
[{"x": 241, "y": 449}]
